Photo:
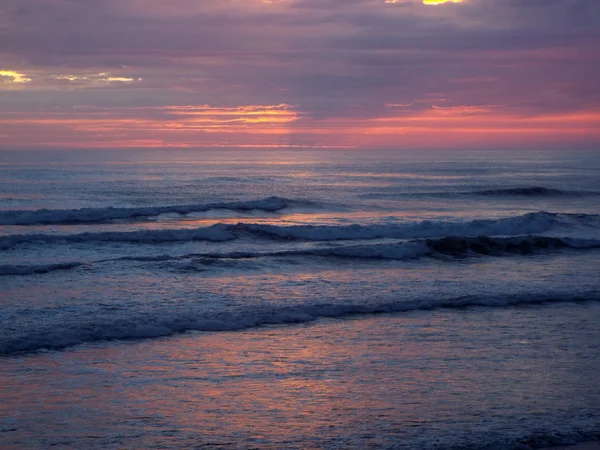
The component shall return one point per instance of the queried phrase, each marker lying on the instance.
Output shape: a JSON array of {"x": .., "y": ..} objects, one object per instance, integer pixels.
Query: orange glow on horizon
[{"x": 284, "y": 126}]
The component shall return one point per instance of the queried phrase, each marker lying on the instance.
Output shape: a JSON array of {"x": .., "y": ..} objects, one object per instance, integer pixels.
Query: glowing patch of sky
[{"x": 14, "y": 77}]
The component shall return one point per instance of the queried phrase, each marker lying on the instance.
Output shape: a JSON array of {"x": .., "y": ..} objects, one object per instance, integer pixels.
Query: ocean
[{"x": 299, "y": 299}]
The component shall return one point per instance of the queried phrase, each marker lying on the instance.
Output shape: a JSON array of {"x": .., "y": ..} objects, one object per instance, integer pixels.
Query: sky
[{"x": 407, "y": 74}]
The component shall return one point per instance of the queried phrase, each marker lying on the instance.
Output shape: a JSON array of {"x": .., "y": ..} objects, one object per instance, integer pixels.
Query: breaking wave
[
  {"x": 447, "y": 246},
  {"x": 94, "y": 215},
  {"x": 413, "y": 249},
  {"x": 524, "y": 191},
  {"x": 530, "y": 223},
  {"x": 93, "y": 329}
]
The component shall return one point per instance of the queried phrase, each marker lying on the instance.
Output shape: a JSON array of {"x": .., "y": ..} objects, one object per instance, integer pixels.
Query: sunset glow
[
  {"x": 384, "y": 74},
  {"x": 10, "y": 76}
]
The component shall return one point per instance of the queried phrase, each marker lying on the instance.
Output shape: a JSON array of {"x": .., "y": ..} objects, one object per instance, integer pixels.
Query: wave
[
  {"x": 530, "y": 223},
  {"x": 525, "y": 191},
  {"x": 93, "y": 329},
  {"x": 458, "y": 246},
  {"x": 526, "y": 224},
  {"x": 94, "y": 215},
  {"x": 534, "y": 191},
  {"x": 448, "y": 246},
  {"x": 414, "y": 249},
  {"x": 442, "y": 248},
  {"x": 215, "y": 233},
  {"x": 21, "y": 269}
]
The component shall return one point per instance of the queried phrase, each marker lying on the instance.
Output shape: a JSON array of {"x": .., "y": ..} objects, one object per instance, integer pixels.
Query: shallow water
[{"x": 516, "y": 377}]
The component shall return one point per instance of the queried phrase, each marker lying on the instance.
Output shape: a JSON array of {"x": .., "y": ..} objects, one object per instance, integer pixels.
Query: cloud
[
  {"x": 440, "y": 2},
  {"x": 334, "y": 60},
  {"x": 13, "y": 77},
  {"x": 95, "y": 79}
]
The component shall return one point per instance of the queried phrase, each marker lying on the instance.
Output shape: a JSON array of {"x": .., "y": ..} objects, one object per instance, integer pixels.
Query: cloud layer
[{"x": 366, "y": 73}]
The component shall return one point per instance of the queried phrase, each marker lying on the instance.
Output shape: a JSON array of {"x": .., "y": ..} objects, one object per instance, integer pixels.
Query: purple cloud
[{"x": 329, "y": 58}]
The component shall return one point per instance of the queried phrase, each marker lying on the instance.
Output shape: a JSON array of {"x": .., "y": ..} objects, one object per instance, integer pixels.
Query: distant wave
[
  {"x": 531, "y": 223},
  {"x": 524, "y": 191},
  {"x": 533, "y": 191},
  {"x": 122, "y": 327},
  {"x": 92, "y": 215},
  {"x": 215, "y": 233},
  {"x": 22, "y": 269}
]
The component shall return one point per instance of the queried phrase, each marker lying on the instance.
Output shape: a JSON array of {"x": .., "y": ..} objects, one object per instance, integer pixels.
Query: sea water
[{"x": 299, "y": 299}]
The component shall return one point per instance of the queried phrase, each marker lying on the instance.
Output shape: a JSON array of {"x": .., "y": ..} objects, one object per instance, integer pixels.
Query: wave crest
[
  {"x": 447, "y": 246},
  {"x": 95, "y": 215},
  {"x": 530, "y": 223}
]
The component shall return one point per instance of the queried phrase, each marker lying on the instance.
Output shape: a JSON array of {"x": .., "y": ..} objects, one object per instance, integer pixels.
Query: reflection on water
[
  {"x": 425, "y": 379},
  {"x": 416, "y": 380}
]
